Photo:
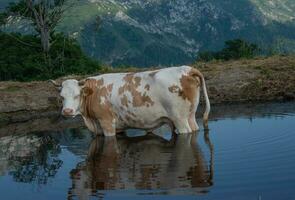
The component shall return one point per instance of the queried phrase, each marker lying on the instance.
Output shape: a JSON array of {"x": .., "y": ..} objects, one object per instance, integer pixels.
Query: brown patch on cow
[
  {"x": 147, "y": 87},
  {"x": 132, "y": 118},
  {"x": 86, "y": 91},
  {"x": 99, "y": 82},
  {"x": 189, "y": 84},
  {"x": 132, "y": 82},
  {"x": 92, "y": 106},
  {"x": 131, "y": 113},
  {"x": 141, "y": 100},
  {"x": 153, "y": 73},
  {"x": 129, "y": 83},
  {"x": 174, "y": 89},
  {"x": 110, "y": 87},
  {"x": 137, "y": 81},
  {"x": 124, "y": 101},
  {"x": 129, "y": 119},
  {"x": 121, "y": 90},
  {"x": 128, "y": 77}
]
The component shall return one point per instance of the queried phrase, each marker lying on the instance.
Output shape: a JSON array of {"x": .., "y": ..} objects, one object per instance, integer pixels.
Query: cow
[{"x": 111, "y": 103}]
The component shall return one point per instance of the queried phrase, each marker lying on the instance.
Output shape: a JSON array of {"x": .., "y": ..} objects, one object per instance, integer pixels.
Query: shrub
[
  {"x": 22, "y": 59},
  {"x": 234, "y": 49}
]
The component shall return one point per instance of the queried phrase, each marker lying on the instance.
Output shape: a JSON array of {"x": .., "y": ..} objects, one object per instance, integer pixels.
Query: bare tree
[{"x": 44, "y": 14}]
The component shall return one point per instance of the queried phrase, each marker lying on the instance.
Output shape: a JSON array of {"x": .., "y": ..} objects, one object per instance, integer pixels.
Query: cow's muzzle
[{"x": 68, "y": 112}]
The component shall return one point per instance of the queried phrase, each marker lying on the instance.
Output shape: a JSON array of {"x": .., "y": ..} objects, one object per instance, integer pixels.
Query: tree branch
[{"x": 22, "y": 42}]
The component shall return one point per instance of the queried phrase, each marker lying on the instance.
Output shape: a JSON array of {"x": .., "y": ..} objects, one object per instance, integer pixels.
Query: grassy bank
[{"x": 259, "y": 79}]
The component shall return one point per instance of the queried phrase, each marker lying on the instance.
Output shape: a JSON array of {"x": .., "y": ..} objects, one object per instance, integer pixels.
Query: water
[{"x": 249, "y": 153}]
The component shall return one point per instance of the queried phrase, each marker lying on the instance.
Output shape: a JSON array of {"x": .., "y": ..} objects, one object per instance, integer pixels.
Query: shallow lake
[{"x": 248, "y": 153}]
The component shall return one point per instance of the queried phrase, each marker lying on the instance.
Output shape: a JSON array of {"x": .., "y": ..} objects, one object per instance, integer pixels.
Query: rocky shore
[{"x": 255, "y": 80}]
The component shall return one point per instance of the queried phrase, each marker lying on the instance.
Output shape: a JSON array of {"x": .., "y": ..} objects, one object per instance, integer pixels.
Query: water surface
[{"x": 248, "y": 153}]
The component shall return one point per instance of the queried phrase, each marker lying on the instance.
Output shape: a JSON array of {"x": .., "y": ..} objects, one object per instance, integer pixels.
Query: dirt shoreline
[{"x": 255, "y": 80}]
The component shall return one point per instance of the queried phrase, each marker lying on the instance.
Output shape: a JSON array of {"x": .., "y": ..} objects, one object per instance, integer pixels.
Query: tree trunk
[
  {"x": 40, "y": 13},
  {"x": 45, "y": 39}
]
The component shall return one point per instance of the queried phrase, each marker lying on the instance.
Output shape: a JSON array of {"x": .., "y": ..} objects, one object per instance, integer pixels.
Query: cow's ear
[
  {"x": 56, "y": 85},
  {"x": 86, "y": 91},
  {"x": 82, "y": 82}
]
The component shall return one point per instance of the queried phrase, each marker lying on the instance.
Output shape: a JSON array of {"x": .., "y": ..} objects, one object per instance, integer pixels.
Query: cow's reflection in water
[{"x": 145, "y": 162}]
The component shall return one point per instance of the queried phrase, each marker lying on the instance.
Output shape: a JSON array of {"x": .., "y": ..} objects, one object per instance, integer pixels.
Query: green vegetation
[
  {"x": 43, "y": 55},
  {"x": 233, "y": 50},
  {"x": 22, "y": 59},
  {"x": 44, "y": 16}
]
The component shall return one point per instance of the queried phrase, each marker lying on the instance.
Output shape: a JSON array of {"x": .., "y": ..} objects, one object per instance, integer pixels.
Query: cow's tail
[
  {"x": 207, "y": 110},
  {"x": 204, "y": 88}
]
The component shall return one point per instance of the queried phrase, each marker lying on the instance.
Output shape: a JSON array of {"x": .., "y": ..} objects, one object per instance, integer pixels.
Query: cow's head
[{"x": 70, "y": 91}]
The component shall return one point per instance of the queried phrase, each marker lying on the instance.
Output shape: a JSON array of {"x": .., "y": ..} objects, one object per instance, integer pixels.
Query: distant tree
[
  {"x": 25, "y": 63},
  {"x": 3, "y": 17},
  {"x": 44, "y": 15},
  {"x": 206, "y": 56},
  {"x": 234, "y": 49},
  {"x": 43, "y": 55}
]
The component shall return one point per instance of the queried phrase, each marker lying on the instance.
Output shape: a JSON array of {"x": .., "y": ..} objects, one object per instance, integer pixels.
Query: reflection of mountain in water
[
  {"x": 29, "y": 158},
  {"x": 75, "y": 140},
  {"x": 144, "y": 162}
]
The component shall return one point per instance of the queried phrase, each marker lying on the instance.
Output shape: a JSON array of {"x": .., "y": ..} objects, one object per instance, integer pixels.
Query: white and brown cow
[{"x": 110, "y": 103}]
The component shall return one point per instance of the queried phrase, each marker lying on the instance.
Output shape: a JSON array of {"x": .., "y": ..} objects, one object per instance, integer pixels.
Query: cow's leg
[
  {"x": 172, "y": 127},
  {"x": 192, "y": 122},
  {"x": 182, "y": 125},
  {"x": 108, "y": 126},
  {"x": 93, "y": 126},
  {"x": 192, "y": 117}
]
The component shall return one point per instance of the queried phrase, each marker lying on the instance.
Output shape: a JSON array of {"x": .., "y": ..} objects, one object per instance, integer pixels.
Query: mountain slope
[
  {"x": 169, "y": 32},
  {"x": 277, "y": 10}
]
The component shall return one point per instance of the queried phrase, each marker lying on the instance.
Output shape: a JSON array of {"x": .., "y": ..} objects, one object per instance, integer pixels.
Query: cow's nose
[{"x": 67, "y": 111}]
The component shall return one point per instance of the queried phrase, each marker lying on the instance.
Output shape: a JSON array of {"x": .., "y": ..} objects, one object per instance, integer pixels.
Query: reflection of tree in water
[
  {"x": 35, "y": 157},
  {"x": 30, "y": 158},
  {"x": 74, "y": 134}
]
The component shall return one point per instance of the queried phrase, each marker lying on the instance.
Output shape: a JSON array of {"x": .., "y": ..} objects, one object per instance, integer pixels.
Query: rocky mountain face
[
  {"x": 277, "y": 10},
  {"x": 170, "y": 32}
]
